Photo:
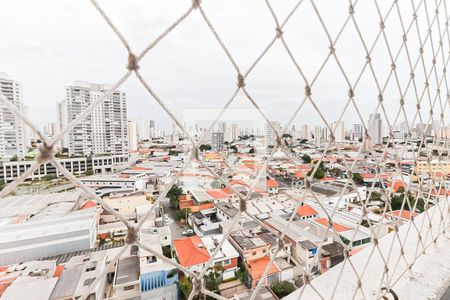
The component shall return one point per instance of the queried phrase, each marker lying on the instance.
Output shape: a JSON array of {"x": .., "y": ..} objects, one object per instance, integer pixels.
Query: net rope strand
[{"x": 430, "y": 65}]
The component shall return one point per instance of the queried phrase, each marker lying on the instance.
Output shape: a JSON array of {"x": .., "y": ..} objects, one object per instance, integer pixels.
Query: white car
[
  {"x": 188, "y": 232},
  {"x": 168, "y": 220}
]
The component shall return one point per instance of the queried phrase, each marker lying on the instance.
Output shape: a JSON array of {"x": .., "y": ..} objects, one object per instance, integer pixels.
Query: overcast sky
[{"x": 49, "y": 44}]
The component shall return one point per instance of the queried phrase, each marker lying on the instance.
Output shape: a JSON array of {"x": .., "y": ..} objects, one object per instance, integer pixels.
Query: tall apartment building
[
  {"x": 217, "y": 140},
  {"x": 374, "y": 129},
  {"x": 12, "y": 137},
  {"x": 305, "y": 133},
  {"x": 104, "y": 130},
  {"x": 339, "y": 131},
  {"x": 357, "y": 132},
  {"x": 146, "y": 129},
  {"x": 271, "y": 136},
  {"x": 132, "y": 136}
]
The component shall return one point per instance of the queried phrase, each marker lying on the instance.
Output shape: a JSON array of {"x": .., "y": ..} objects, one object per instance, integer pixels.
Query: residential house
[
  {"x": 226, "y": 257},
  {"x": 191, "y": 253}
]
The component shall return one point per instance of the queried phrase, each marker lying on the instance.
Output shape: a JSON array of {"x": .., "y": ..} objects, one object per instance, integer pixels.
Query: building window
[
  {"x": 254, "y": 253},
  {"x": 227, "y": 262},
  {"x": 88, "y": 281},
  {"x": 128, "y": 288}
]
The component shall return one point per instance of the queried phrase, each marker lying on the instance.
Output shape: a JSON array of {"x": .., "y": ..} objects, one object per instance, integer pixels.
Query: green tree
[
  {"x": 251, "y": 151},
  {"x": 357, "y": 178},
  {"x": 185, "y": 287},
  {"x": 204, "y": 147},
  {"x": 48, "y": 177},
  {"x": 397, "y": 200},
  {"x": 2, "y": 185},
  {"x": 182, "y": 214},
  {"x": 319, "y": 174},
  {"x": 212, "y": 281},
  {"x": 336, "y": 172},
  {"x": 306, "y": 158},
  {"x": 14, "y": 158},
  {"x": 234, "y": 148},
  {"x": 282, "y": 288},
  {"x": 173, "y": 195},
  {"x": 89, "y": 172}
]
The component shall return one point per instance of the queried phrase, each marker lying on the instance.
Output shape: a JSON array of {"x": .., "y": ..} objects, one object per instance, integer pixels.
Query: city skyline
[{"x": 275, "y": 83}]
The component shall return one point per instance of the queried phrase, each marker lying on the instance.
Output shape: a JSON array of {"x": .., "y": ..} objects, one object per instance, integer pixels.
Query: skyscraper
[
  {"x": 132, "y": 135},
  {"x": 317, "y": 135},
  {"x": 339, "y": 131},
  {"x": 305, "y": 134},
  {"x": 375, "y": 128},
  {"x": 103, "y": 131},
  {"x": 217, "y": 140},
  {"x": 12, "y": 142},
  {"x": 271, "y": 136},
  {"x": 146, "y": 129},
  {"x": 357, "y": 132}
]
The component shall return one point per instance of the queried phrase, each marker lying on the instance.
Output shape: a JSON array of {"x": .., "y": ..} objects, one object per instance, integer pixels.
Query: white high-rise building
[
  {"x": 357, "y": 132},
  {"x": 217, "y": 140},
  {"x": 132, "y": 136},
  {"x": 12, "y": 137},
  {"x": 317, "y": 135},
  {"x": 103, "y": 131},
  {"x": 146, "y": 129},
  {"x": 325, "y": 135},
  {"x": 375, "y": 127},
  {"x": 305, "y": 134},
  {"x": 271, "y": 136},
  {"x": 339, "y": 131},
  {"x": 235, "y": 130}
]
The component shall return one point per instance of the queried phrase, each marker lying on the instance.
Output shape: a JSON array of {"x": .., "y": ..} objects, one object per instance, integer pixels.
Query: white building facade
[
  {"x": 12, "y": 139},
  {"x": 103, "y": 131}
]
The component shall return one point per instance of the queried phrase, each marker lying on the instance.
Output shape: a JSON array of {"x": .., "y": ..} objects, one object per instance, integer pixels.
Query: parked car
[{"x": 188, "y": 232}]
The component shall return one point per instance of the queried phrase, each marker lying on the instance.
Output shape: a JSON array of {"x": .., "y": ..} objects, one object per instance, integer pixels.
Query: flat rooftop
[{"x": 127, "y": 270}]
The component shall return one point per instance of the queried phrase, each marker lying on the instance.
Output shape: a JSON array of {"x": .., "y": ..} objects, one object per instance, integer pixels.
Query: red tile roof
[
  {"x": 306, "y": 210},
  {"x": 58, "y": 270},
  {"x": 206, "y": 206},
  {"x": 405, "y": 214},
  {"x": 186, "y": 204},
  {"x": 217, "y": 194},
  {"x": 257, "y": 267},
  {"x": 299, "y": 174},
  {"x": 272, "y": 183},
  {"x": 228, "y": 191},
  {"x": 189, "y": 253},
  {"x": 338, "y": 227},
  {"x": 240, "y": 182},
  {"x": 89, "y": 204}
]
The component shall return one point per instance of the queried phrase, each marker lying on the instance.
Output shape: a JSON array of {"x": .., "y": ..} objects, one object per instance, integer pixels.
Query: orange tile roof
[
  {"x": 189, "y": 253},
  {"x": 299, "y": 174},
  {"x": 89, "y": 204},
  {"x": 405, "y": 214},
  {"x": 338, "y": 227},
  {"x": 306, "y": 210},
  {"x": 217, "y": 194},
  {"x": 328, "y": 179},
  {"x": 257, "y": 267},
  {"x": 397, "y": 184},
  {"x": 272, "y": 183},
  {"x": 238, "y": 181},
  {"x": 228, "y": 191},
  {"x": 140, "y": 169},
  {"x": 186, "y": 204},
  {"x": 58, "y": 271},
  {"x": 206, "y": 206}
]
